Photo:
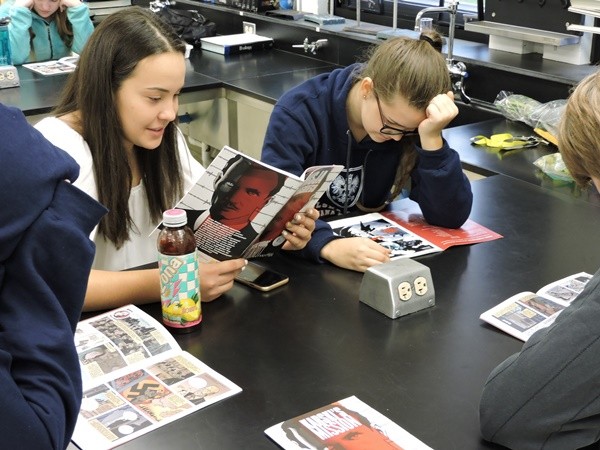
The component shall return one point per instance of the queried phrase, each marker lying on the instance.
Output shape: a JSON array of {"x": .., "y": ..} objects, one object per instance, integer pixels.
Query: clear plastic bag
[
  {"x": 547, "y": 115},
  {"x": 544, "y": 116},
  {"x": 553, "y": 166},
  {"x": 515, "y": 106}
]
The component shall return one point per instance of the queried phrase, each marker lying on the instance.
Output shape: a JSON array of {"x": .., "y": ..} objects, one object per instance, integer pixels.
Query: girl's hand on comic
[
  {"x": 355, "y": 253},
  {"x": 440, "y": 112},
  {"x": 298, "y": 231}
]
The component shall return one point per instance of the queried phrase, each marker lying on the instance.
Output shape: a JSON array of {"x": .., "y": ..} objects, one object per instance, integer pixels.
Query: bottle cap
[{"x": 174, "y": 218}]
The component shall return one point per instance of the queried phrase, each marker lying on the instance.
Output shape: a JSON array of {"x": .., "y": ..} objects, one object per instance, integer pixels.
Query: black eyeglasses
[{"x": 389, "y": 130}]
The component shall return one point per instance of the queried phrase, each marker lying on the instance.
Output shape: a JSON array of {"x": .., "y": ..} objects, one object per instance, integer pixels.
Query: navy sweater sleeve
[
  {"x": 441, "y": 189},
  {"x": 45, "y": 258},
  {"x": 547, "y": 396}
]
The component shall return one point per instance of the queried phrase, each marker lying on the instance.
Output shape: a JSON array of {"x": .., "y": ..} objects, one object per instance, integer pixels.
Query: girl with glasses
[{"x": 382, "y": 120}]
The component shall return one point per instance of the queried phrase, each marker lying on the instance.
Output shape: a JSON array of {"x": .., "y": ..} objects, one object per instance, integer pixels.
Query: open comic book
[
  {"x": 405, "y": 233},
  {"x": 346, "y": 421},
  {"x": 56, "y": 67},
  {"x": 239, "y": 206},
  {"x": 526, "y": 312},
  {"x": 136, "y": 378}
]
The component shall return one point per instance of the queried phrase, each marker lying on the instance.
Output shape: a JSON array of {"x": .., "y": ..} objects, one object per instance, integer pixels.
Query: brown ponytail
[{"x": 414, "y": 69}]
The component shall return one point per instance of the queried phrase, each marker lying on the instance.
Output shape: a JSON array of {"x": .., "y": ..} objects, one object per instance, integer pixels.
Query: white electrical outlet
[
  {"x": 405, "y": 291},
  {"x": 420, "y": 285},
  {"x": 249, "y": 27}
]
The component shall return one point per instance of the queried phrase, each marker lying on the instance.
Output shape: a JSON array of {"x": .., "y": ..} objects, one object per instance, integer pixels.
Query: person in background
[
  {"x": 116, "y": 117},
  {"x": 45, "y": 260},
  {"x": 383, "y": 121},
  {"x": 42, "y": 30},
  {"x": 546, "y": 396}
]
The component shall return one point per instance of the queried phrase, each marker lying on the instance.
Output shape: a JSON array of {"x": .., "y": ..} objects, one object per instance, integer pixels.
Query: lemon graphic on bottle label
[{"x": 190, "y": 311}]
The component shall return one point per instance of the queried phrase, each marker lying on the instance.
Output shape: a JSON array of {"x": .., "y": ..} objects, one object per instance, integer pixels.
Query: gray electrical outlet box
[
  {"x": 398, "y": 288},
  {"x": 9, "y": 77}
]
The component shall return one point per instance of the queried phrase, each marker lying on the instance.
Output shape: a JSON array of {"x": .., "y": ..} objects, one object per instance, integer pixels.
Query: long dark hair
[{"x": 113, "y": 51}]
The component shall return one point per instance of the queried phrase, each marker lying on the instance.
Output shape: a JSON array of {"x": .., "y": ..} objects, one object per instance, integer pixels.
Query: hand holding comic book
[{"x": 240, "y": 206}]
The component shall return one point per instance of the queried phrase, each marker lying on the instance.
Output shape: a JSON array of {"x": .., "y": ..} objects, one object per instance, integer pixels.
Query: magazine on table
[
  {"x": 526, "y": 312},
  {"x": 240, "y": 206},
  {"x": 346, "y": 421},
  {"x": 404, "y": 231},
  {"x": 55, "y": 67},
  {"x": 136, "y": 378}
]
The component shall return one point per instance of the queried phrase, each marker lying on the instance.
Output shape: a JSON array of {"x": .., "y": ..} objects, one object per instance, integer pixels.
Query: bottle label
[{"x": 180, "y": 290}]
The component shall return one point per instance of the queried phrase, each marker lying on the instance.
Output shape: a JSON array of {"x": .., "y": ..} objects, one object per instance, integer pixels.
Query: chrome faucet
[
  {"x": 451, "y": 9},
  {"x": 311, "y": 46},
  {"x": 458, "y": 70}
]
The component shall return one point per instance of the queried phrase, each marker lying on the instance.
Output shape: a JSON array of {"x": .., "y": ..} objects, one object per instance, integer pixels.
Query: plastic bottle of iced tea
[{"x": 178, "y": 267}]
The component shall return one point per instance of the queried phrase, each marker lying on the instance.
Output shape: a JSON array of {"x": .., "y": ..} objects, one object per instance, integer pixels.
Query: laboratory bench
[
  {"x": 312, "y": 342},
  {"x": 38, "y": 94},
  {"x": 227, "y": 100},
  {"x": 517, "y": 163},
  {"x": 489, "y": 71}
]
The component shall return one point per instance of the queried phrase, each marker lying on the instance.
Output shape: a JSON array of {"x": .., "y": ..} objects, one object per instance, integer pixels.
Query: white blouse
[{"x": 141, "y": 246}]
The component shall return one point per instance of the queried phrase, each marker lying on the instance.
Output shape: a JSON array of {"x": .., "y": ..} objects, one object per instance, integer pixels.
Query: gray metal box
[{"x": 398, "y": 288}]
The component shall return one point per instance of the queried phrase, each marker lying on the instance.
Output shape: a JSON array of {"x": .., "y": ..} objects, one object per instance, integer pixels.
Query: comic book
[
  {"x": 240, "y": 206},
  {"x": 403, "y": 230},
  {"x": 55, "y": 67},
  {"x": 347, "y": 423},
  {"x": 136, "y": 378},
  {"x": 526, "y": 312}
]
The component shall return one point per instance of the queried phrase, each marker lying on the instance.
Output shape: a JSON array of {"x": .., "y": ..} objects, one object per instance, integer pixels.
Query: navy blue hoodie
[
  {"x": 45, "y": 259},
  {"x": 309, "y": 126}
]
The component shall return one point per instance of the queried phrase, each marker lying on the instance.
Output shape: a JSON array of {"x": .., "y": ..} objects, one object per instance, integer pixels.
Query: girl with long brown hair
[{"x": 117, "y": 118}]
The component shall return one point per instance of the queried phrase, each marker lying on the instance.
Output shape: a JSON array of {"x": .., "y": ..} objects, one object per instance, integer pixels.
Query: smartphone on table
[{"x": 261, "y": 278}]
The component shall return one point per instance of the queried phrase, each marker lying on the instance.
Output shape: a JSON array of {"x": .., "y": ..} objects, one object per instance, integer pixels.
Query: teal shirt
[{"x": 47, "y": 44}]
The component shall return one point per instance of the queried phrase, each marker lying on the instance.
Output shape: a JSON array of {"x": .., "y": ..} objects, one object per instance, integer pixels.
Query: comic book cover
[{"x": 345, "y": 425}]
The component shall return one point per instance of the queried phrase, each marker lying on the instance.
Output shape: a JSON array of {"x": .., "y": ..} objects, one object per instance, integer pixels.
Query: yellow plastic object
[
  {"x": 495, "y": 141},
  {"x": 506, "y": 141}
]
